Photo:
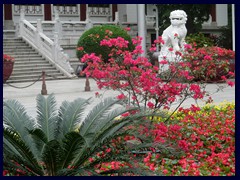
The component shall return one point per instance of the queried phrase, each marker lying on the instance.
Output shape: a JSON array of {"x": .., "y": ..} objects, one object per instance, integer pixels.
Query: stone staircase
[{"x": 29, "y": 64}]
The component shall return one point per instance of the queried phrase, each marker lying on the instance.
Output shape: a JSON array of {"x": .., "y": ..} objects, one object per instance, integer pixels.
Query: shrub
[
  {"x": 89, "y": 42},
  {"x": 199, "y": 40},
  {"x": 207, "y": 135},
  {"x": 210, "y": 63},
  {"x": 225, "y": 38}
]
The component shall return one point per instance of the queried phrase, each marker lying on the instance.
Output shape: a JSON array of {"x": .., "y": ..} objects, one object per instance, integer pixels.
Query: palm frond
[
  {"x": 17, "y": 165},
  {"x": 108, "y": 117},
  {"x": 47, "y": 115},
  {"x": 58, "y": 133},
  {"x": 96, "y": 113},
  {"x": 73, "y": 146},
  {"x": 52, "y": 157},
  {"x": 71, "y": 114},
  {"x": 15, "y": 143},
  {"x": 16, "y": 119},
  {"x": 112, "y": 128},
  {"x": 40, "y": 140}
]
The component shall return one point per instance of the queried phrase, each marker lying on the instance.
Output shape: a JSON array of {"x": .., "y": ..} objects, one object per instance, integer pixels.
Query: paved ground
[{"x": 72, "y": 89}]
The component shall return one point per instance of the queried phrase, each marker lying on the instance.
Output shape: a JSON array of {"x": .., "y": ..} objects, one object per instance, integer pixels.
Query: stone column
[{"x": 142, "y": 26}]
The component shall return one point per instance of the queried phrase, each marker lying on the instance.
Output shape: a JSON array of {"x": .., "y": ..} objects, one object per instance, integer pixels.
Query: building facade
[{"x": 70, "y": 20}]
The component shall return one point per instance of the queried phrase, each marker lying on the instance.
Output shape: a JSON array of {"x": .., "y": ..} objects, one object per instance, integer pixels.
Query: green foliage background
[{"x": 90, "y": 40}]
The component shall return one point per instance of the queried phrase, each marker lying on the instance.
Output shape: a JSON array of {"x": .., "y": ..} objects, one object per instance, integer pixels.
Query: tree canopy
[{"x": 197, "y": 14}]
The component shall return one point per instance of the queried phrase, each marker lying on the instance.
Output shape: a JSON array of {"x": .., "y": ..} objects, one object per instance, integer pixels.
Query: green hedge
[{"x": 90, "y": 40}]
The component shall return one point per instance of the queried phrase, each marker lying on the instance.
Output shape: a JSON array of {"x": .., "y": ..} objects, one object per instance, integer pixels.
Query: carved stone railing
[
  {"x": 99, "y": 11},
  {"x": 49, "y": 49},
  {"x": 67, "y": 10},
  {"x": 35, "y": 9}
]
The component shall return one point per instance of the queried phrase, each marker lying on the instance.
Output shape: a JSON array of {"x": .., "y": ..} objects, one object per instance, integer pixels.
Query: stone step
[
  {"x": 35, "y": 75},
  {"x": 33, "y": 63},
  {"x": 25, "y": 49},
  {"x": 29, "y": 64},
  {"x": 28, "y": 57},
  {"x": 28, "y": 61},
  {"x": 15, "y": 43},
  {"x": 22, "y": 48},
  {"x": 29, "y": 79},
  {"x": 30, "y": 53},
  {"x": 39, "y": 71},
  {"x": 12, "y": 40},
  {"x": 34, "y": 68}
]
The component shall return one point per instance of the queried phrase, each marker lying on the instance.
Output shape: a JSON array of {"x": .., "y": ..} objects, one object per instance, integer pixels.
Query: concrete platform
[{"x": 72, "y": 89}]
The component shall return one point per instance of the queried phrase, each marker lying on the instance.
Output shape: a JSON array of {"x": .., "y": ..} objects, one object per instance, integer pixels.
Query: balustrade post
[
  {"x": 57, "y": 24},
  {"x": 56, "y": 14},
  {"x": 22, "y": 17},
  {"x": 22, "y": 14},
  {"x": 39, "y": 25},
  {"x": 58, "y": 28},
  {"x": 87, "y": 14},
  {"x": 37, "y": 33},
  {"x": 55, "y": 46},
  {"x": 88, "y": 20},
  {"x": 116, "y": 18}
]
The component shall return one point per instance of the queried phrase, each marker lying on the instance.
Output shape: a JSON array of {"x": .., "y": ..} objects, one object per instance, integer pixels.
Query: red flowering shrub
[
  {"x": 135, "y": 76},
  {"x": 210, "y": 63},
  {"x": 208, "y": 138},
  {"x": 8, "y": 58},
  {"x": 195, "y": 142}
]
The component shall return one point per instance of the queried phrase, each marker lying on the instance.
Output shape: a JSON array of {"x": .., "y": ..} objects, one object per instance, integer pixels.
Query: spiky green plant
[{"x": 59, "y": 142}]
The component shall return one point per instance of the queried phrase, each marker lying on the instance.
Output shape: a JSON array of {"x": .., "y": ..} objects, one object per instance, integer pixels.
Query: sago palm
[{"x": 60, "y": 141}]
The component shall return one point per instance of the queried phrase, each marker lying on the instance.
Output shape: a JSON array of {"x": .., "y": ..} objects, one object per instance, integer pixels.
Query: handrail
[{"x": 51, "y": 50}]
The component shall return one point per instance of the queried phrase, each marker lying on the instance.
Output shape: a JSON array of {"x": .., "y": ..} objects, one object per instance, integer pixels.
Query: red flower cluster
[
  {"x": 206, "y": 136},
  {"x": 8, "y": 58},
  {"x": 130, "y": 73},
  {"x": 210, "y": 63}
]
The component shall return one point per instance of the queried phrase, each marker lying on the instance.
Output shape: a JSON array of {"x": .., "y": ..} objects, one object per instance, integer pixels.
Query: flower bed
[
  {"x": 207, "y": 137},
  {"x": 204, "y": 137}
]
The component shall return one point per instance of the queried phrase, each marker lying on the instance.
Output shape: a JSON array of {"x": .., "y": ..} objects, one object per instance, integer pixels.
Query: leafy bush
[
  {"x": 225, "y": 38},
  {"x": 199, "y": 40},
  {"x": 210, "y": 63},
  {"x": 90, "y": 40}
]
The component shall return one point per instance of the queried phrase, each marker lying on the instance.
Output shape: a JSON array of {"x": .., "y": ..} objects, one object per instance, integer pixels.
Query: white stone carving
[{"x": 174, "y": 36}]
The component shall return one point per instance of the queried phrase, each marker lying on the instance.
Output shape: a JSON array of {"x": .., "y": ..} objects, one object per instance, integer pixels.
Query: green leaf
[
  {"x": 52, "y": 157},
  {"x": 47, "y": 115}
]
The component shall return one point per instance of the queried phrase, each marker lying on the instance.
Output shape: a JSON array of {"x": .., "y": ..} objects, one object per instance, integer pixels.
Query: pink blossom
[
  {"x": 207, "y": 57},
  {"x": 121, "y": 96},
  {"x": 231, "y": 83},
  {"x": 150, "y": 105},
  {"x": 127, "y": 28}
]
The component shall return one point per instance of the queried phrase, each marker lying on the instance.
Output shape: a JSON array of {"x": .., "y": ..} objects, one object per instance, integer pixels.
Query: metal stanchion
[
  {"x": 44, "y": 88},
  {"x": 87, "y": 84}
]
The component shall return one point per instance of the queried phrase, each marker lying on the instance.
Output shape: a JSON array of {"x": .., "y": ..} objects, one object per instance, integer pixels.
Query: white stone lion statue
[{"x": 174, "y": 35}]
